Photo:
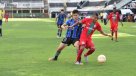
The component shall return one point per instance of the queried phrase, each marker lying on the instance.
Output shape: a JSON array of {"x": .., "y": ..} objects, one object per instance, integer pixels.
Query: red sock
[
  {"x": 90, "y": 52},
  {"x": 79, "y": 55}
]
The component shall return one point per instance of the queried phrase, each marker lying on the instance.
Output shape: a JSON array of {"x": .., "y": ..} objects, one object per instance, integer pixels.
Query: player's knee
[{"x": 82, "y": 47}]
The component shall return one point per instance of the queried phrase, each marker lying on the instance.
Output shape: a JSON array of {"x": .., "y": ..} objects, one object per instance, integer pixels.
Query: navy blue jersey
[
  {"x": 75, "y": 32},
  {"x": 61, "y": 17}
]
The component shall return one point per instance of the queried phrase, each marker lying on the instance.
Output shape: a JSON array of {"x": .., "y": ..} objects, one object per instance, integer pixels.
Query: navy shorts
[
  {"x": 59, "y": 24},
  {"x": 69, "y": 41}
]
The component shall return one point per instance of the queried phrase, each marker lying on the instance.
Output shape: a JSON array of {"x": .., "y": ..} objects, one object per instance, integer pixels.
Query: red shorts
[
  {"x": 114, "y": 28},
  {"x": 6, "y": 17},
  {"x": 87, "y": 42}
]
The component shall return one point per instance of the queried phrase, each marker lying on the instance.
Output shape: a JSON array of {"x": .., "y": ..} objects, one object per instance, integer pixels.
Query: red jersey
[
  {"x": 90, "y": 27},
  {"x": 6, "y": 15},
  {"x": 114, "y": 19}
]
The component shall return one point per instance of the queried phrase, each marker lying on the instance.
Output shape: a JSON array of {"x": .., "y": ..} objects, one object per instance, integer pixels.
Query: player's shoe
[
  {"x": 78, "y": 63},
  {"x": 58, "y": 37},
  {"x": 112, "y": 39},
  {"x": 116, "y": 41},
  {"x": 86, "y": 59},
  {"x": 52, "y": 59}
]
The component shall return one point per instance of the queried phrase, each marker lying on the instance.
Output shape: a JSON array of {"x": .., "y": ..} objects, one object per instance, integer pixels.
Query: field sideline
[{"x": 27, "y": 44}]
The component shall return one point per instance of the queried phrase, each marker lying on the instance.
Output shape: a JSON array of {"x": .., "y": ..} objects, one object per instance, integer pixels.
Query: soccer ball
[{"x": 101, "y": 58}]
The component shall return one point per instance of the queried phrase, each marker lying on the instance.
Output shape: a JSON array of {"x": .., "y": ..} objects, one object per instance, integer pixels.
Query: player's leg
[
  {"x": 58, "y": 30},
  {"x": 0, "y": 27},
  {"x": 116, "y": 33},
  {"x": 58, "y": 51},
  {"x": 65, "y": 42},
  {"x": 112, "y": 32},
  {"x": 91, "y": 48},
  {"x": 6, "y": 19},
  {"x": 0, "y": 30},
  {"x": 116, "y": 36},
  {"x": 80, "y": 51},
  {"x": 60, "y": 33},
  {"x": 76, "y": 45}
]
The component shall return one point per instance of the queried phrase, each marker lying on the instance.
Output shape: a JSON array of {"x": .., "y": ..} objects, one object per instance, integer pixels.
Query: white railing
[
  {"x": 70, "y": 1},
  {"x": 122, "y": 3}
]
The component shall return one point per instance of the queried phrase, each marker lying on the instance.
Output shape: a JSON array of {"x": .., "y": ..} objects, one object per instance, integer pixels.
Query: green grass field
[{"x": 27, "y": 44}]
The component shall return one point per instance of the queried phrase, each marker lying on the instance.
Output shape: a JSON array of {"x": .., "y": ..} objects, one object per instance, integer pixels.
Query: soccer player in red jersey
[
  {"x": 89, "y": 26},
  {"x": 6, "y": 16},
  {"x": 114, "y": 18}
]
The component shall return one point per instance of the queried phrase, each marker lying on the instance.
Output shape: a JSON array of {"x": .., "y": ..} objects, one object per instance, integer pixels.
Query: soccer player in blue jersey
[
  {"x": 60, "y": 19},
  {"x": 72, "y": 35}
]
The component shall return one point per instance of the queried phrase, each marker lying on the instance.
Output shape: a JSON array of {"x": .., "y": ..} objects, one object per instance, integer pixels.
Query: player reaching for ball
[
  {"x": 72, "y": 35},
  {"x": 89, "y": 26}
]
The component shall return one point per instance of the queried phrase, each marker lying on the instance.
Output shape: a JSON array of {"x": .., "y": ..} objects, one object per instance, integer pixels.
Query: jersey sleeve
[
  {"x": 98, "y": 26},
  {"x": 68, "y": 22}
]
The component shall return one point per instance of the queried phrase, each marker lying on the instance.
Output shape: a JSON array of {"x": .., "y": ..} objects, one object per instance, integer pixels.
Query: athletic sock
[
  {"x": 0, "y": 32},
  {"x": 116, "y": 35},
  {"x": 56, "y": 55},
  {"x": 79, "y": 55},
  {"x": 58, "y": 32}
]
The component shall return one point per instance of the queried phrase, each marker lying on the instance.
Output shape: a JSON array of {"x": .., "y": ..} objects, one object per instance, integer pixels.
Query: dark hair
[
  {"x": 114, "y": 7},
  {"x": 62, "y": 10},
  {"x": 75, "y": 11}
]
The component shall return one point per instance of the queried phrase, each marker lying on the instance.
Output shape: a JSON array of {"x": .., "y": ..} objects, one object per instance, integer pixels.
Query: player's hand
[
  {"x": 122, "y": 25},
  {"x": 65, "y": 27},
  {"x": 70, "y": 27}
]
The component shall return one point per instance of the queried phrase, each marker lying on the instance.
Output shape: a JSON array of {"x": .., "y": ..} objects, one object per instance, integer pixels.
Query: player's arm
[
  {"x": 109, "y": 16},
  {"x": 57, "y": 18},
  {"x": 101, "y": 31},
  {"x": 75, "y": 24},
  {"x": 64, "y": 26},
  {"x": 104, "y": 33},
  {"x": 120, "y": 20},
  {"x": 121, "y": 23}
]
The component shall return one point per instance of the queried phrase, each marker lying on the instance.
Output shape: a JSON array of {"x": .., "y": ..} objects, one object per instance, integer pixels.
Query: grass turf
[{"x": 27, "y": 44}]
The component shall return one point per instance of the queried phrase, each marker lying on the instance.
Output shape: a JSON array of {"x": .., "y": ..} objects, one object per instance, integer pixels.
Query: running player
[
  {"x": 72, "y": 35},
  {"x": 60, "y": 19},
  {"x": 6, "y": 17},
  {"x": 90, "y": 25},
  {"x": 114, "y": 19}
]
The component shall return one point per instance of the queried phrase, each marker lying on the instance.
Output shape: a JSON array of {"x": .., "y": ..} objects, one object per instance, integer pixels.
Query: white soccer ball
[{"x": 101, "y": 58}]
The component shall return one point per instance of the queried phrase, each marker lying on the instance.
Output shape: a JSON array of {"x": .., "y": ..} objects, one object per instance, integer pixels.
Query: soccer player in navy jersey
[
  {"x": 72, "y": 35},
  {"x": 60, "y": 19}
]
